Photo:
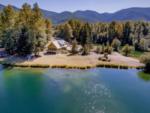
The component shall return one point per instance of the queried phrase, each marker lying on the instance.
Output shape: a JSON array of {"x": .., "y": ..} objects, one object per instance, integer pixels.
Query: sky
[{"x": 100, "y": 6}]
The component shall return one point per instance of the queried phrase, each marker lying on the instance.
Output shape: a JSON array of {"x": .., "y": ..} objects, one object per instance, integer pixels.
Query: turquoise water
[{"x": 73, "y": 91}]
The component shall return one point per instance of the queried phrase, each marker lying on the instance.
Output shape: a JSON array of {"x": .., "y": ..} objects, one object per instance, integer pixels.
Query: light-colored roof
[
  {"x": 56, "y": 44},
  {"x": 62, "y": 43},
  {"x": 59, "y": 43}
]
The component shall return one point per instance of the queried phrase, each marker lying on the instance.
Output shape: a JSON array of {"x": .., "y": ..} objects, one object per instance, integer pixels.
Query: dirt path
[{"x": 118, "y": 58}]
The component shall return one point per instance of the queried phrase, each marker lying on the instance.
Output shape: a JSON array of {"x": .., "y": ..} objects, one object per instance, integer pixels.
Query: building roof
[
  {"x": 56, "y": 44},
  {"x": 59, "y": 43}
]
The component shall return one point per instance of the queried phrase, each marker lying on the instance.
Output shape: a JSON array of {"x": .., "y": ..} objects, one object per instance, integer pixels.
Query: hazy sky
[{"x": 73, "y": 5}]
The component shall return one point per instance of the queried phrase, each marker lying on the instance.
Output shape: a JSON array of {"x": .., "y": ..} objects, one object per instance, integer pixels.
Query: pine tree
[
  {"x": 25, "y": 16},
  {"x": 67, "y": 33},
  {"x": 40, "y": 35},
  {"x": 74, "y": 47},
  {"x": 85, "y": 35},
  {"x": 7, "y": 26},
  {"x": 24, "y": 44},
  {"x": 76, "y": 26},
  {"x": 127, "y": 29},
  {"x": 11, "y": 37},
  {"x": 48, "y": 29},
  {"x": 8, "y": 17}
]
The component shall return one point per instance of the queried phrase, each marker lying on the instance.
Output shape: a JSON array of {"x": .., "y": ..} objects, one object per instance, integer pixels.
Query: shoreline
[
  {"x": 101, "y": 65},
  {"x": 74, "y": 62}
]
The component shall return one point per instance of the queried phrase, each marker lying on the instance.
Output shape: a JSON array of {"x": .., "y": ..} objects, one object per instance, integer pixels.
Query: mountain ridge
[{"x": 134, "y": 13}]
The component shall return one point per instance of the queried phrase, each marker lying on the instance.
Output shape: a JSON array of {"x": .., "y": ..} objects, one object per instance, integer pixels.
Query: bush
[
  {"x": 143, "y": 45},
  {"x": 108, "y": 49},
  {"x": 116, "y": 44},
  {"x": 74, "y": 47},
  {"x": 127, "y": 49},
  {"x": 103, "y": 49},
  {"x": 99, "y": 49},
  {"x": 86, "y": 50},
  {"x": 146, "y": 60}
]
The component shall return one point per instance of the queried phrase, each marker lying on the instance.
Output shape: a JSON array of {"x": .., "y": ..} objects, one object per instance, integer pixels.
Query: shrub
[
  {"x": 74, "y": 47},
  {"x": 86, "y": 49},
  {"x": 103, "y": 49},
  {"x": 127, "y": 49},
  {"x": 99, "y": 49},
  {"x": 108, "y": 49},
  {"x": 146, "y": 60},
  {"x": 143, "y": 45},
  {"x": 116, "y": 44}
]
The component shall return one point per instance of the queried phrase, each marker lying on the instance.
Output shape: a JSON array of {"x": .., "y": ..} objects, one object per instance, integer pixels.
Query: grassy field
[{"x": 137, "y": 54}]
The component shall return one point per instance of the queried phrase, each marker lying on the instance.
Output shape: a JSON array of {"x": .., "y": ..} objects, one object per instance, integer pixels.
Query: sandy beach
[{"x": 75, "y": 60}]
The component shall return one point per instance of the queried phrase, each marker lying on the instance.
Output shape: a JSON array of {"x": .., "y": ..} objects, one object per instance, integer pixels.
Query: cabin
[{"x": 58, "y": 46}]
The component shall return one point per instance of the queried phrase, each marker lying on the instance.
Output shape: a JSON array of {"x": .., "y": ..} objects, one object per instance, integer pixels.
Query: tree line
[
  {"x": 25, "y": 31},
  {"x": 114, "y": 34}
]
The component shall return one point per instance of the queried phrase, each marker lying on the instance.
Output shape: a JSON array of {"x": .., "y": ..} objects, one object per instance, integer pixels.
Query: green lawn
[{"x": 137, "y": 54}]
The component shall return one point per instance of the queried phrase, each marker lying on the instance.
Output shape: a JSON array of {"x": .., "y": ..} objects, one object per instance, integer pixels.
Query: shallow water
[{"x": 73, "y": 91}]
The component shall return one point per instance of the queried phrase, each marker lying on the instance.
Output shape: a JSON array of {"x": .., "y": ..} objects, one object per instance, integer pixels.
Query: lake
[{"x": 99, "y": 90}]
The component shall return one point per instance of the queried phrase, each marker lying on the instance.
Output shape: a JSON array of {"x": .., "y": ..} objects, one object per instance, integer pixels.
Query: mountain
[
  {"x": 135, "y": 13},
  {"x": 93, "y": 16},
  {"x": 1, "y": 6}
]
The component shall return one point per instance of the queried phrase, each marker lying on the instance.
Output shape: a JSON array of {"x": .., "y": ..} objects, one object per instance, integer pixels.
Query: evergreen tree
[
  {"x": 74, "y": 47},
  {"x": 112, "y": 31},
  {"x": 25, "y": 15},
  {"x": 11, "y": 41},
  {"x": 24, "y": 44},
  {"x": 7, "y": 23},
  {"x": 127, "y": 29},
  {"x": 145, "y": 30},
  {"x": 48, "y": 29},
  {"x": 85, "y": 35},
  {"x": 76, "y": 27},
  {"x": 67, "y": 32},
  {"x": 40, "y": 35}
]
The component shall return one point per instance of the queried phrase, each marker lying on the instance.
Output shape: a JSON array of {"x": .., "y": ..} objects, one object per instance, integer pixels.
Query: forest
[{"x": 114, "y": 34}]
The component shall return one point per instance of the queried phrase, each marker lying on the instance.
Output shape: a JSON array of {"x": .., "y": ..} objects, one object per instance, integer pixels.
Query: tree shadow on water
[{"x": 144, "y": 76}]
